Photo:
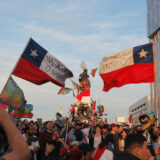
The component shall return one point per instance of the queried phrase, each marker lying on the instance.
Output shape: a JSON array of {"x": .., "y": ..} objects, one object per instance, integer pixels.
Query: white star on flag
[{"x": 34, "y": 53}]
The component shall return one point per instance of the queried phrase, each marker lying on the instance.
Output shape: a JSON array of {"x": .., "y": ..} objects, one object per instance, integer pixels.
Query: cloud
[
  {"x": 105, "y": 41},
  {"x": 72, "y": 31}
]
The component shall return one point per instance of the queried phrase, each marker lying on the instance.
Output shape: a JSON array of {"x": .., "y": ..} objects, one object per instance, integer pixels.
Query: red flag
[
  {"x": 134, "y": 65},
  {"x": 130, "y": 118},
  {"x": 94, "y": 105},
  {"x": 93, "y": 71},
  {"x": 24, "y": 115},
  {"x": 83, "y": 94}
]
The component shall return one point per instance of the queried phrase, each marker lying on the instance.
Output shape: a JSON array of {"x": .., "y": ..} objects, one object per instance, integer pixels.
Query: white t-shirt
[
  {"x": 32, "y": 146},
  {"x": 97, "y": 141}
]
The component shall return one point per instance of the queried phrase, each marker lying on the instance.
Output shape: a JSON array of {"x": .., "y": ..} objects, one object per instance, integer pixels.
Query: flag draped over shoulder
[
  {"x": 134, "y": 65},
  {"x": 93, "y": 71},
  {"x": 64, "y": 91},
  {"x": 12, "y": 95},
  {"x": 38, "y": 66}
]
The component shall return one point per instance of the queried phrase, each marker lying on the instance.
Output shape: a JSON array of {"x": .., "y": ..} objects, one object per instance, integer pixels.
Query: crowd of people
[{"x": 76, "y": 140}]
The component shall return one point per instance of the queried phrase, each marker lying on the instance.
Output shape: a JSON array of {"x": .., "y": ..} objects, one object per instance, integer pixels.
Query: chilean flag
[
  {"x": 38, "y": 66},
  {"x": 133, "y": 65}
]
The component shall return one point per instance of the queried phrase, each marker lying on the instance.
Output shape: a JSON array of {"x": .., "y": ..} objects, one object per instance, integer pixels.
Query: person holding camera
[
  {"x": 147, "y": 131},
  {"x": 60, "y": 142},
  {"x": 20, "y": 150}
]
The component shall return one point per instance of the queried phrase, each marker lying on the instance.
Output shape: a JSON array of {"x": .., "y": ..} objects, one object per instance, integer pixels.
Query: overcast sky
[{"x": 72, "y": 31}]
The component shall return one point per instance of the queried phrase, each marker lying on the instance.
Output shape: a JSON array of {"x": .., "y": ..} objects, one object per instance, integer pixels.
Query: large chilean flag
[
  {"x": 38, "y": 66},
  {"x": 133, "y": 65}
]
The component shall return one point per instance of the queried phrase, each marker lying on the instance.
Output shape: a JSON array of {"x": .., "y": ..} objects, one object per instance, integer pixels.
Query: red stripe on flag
[
  {"x": 14, "y": 113},
  {"x": 137, "y": 73},
  {"x": 93, "y": 72},
  {"x": 26, "y": 115},
  {"x": 84, "y": 93},
  {"x": 61, "y": 90},
  {"x": 32, "y": 73},
  {"x": 2, "y": 105}
]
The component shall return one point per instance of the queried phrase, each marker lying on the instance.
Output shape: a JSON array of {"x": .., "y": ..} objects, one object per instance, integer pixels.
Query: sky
[{"x": 72, "y": 31}]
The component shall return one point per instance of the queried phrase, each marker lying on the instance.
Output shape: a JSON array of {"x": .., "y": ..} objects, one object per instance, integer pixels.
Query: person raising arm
[{"x": 20, "y": 150}]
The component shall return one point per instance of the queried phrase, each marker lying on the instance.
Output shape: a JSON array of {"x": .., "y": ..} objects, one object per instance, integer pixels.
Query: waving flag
[
  {"x": 130, "y": 119},
  {"x": 11, "y": 110},
  {"x": 93, "y": 104},
  {"x": 24, "y": 115},
  {"x": 152, "y": 116},
  {"x": 134, "y": 65},
  {"x": 25, "y": 112},
  {"x": 12, "y": 94},
  {"x": 93, "y": 71},
  {"x": 38, "y": 66},
  {"x": 100, "y": 109},
  {"x": 64, "y": 91}
]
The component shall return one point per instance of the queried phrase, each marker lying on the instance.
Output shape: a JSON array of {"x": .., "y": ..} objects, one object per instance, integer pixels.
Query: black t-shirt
[
  {"x": 2, "y": 159},
  {"x": 79, "y": 135},
  {"x": 57, "y": 148}
]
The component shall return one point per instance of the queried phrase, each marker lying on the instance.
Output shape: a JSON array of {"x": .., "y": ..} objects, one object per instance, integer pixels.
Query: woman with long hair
[
  {"x": 122, "y": 137},
  {"x": 96, "y": 138}
]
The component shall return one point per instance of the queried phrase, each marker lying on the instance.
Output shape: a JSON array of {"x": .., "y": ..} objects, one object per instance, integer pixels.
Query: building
[
  {"x": 142, "y": 106},
  {"x": 120, "y": 120},
  {"x": 153, "y": 33}
]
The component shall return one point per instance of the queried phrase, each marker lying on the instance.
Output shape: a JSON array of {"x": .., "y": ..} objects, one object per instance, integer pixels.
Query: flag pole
[
  {"x": 21, "y": 55},
  {"x": 155, "y": 83},
  {"x": 16, "y": 64}
]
